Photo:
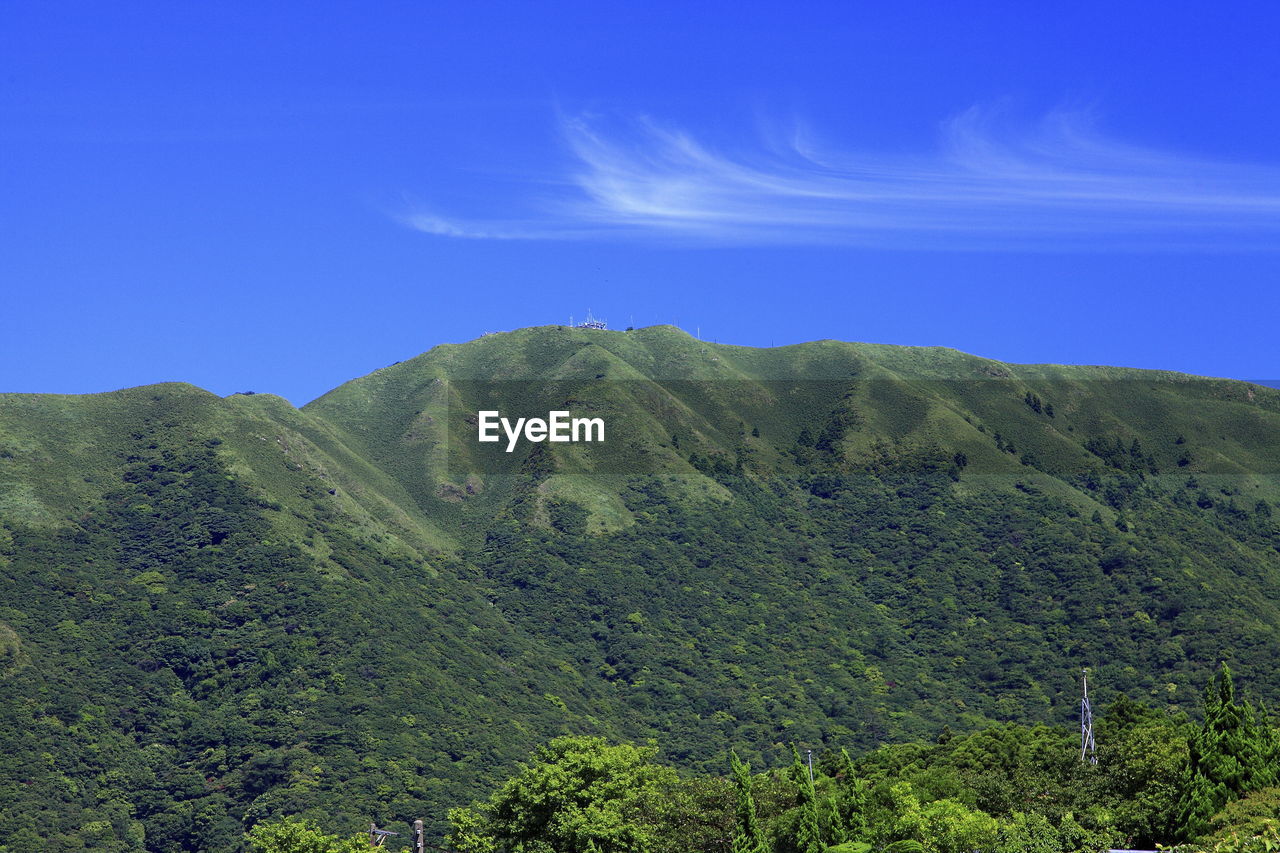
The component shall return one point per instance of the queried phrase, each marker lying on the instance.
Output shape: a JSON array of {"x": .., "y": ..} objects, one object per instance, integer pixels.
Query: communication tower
[
  {"x": 589, "y": 323},
  {"x": 1088, "y": 750}
]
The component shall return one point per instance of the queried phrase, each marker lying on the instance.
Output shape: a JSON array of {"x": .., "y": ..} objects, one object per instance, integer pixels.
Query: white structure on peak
[{"x": 589, "y": 323}]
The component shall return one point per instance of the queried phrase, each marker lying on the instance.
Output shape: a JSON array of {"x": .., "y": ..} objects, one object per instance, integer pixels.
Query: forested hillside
[
  {"x": 1005, "y": 789},
  {"x": 215, "y": 612}
]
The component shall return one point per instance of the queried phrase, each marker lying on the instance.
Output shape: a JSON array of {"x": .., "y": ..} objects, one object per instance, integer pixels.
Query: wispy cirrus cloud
[{"x": 1057, "y": 184}]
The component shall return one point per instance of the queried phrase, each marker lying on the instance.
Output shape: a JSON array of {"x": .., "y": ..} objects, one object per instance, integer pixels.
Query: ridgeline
[{"x": 215, "y": 611}]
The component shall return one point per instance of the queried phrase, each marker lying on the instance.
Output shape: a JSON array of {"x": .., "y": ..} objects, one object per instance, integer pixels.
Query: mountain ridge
[{"x": 214, "y": 610}]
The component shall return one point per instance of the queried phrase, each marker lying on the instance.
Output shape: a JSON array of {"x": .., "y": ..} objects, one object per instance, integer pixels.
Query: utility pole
[
  {"x": 1088, "y": 749},
  {"x": 809, "y": 753},
  {"x": 378, "y": 837},
  {"x": 419, "y": 838}
]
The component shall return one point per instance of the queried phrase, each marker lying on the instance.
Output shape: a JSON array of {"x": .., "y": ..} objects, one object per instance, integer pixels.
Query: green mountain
[{"x": 214, "y": 611}]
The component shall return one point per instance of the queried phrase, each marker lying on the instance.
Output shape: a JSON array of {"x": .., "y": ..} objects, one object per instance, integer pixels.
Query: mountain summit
[{"x": 214, "y": 610}]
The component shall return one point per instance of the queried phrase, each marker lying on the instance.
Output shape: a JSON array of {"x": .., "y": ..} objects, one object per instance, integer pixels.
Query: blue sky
[{"x": 281, "y": 199}]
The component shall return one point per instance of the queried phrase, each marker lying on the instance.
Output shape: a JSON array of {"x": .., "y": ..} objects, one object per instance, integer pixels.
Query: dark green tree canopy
[
  {"x": 1234, "y": 752},
  {"x": 579, "y": 795}
]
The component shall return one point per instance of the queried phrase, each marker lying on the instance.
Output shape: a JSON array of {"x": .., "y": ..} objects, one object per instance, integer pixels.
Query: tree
[
  {"x": 851, "y": 801},
  {"x": 579, "y": 795},
  {"x": 809, "y": 837},
  {"x": 1231, "y": 755},
  {"x": 748, "y": 836},
  {"x": 1141, "y": 767},
  {"x": 294, "y": 835},
  {"x": 942, "y": 826},
  {"x": 1028, "y": 833},
  {"x": 469, "y": 832}
]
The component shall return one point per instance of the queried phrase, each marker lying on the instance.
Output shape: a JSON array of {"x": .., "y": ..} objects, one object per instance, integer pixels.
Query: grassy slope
[
  {"x": 378, "y": 440},
  {"x": 59, "y": 453},
  {"x": 461, "y": 615},
  {"x": 652, "y": 383},
  {"x": 211, "y": 611}
]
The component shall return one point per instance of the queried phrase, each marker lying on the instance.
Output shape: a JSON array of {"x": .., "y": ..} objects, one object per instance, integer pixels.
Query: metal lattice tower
[{"x": 1088, "y": 749}]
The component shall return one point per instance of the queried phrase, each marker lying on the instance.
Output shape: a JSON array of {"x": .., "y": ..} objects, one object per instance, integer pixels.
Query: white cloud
[{"x": 1058, "y": 184}]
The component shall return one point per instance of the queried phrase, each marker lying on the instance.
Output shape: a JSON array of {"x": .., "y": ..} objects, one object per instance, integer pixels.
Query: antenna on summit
[
  {"x": 1088, "y": 749},
  {"x": 589, "y": 323}
]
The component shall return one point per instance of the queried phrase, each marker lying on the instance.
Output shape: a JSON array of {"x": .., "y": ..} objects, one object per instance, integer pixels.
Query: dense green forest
[
  {"x": 1006, "y": 789},
  {"x": 215, "y": 613}
]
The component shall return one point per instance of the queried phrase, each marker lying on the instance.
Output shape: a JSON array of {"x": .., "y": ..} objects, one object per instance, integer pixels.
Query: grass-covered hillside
[{"x": 216, "y": 611}]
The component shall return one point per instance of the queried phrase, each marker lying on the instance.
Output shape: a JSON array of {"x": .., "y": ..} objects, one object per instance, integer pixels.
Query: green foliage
[
  {"x": 469, "y": 832},
  {"x": 179, "y": 670},
  {"x": 1253, "y": 814},
  {"x": 941, "y": 826},
  {"x": 1265, "y": 840},
  {"x": 1029, "y": 833},
  {"x": 578, "y": 794},
  {"x": 938, "y": 798},
  {"x": 1141, "y": 767},
  {"x": 808, "y": 834},
  {"x": 748, "y": 834},
  {"x": 849, "y": 800},
  {"x": 1007, "y": 789},
  {"x": 297, "y": 836},
  {"x": 906, "y": 845},
  {"x": 217, "y": 611},
  {"x": 1232, "y": 754}
]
